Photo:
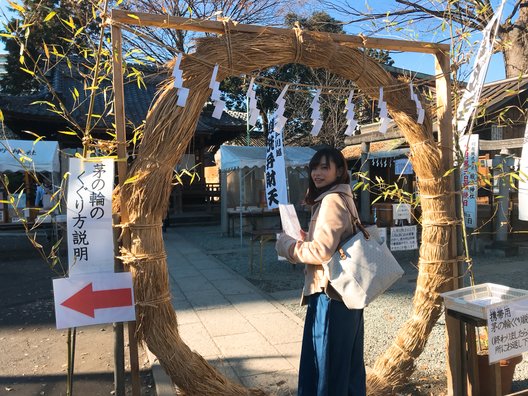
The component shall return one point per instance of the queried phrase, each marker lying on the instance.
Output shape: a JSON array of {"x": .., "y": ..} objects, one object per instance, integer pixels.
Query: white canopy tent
[
  {"x": 249, "y": 163},
  {"x": 27, "y": 155},
  {"x": 235, "y": 157}
]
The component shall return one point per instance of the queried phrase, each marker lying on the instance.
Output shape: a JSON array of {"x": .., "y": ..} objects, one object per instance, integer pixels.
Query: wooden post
[
  {"x": 365, "y": 194},
  {"x": 454, "y": 336},
  {"x": 119, "y": 110}
]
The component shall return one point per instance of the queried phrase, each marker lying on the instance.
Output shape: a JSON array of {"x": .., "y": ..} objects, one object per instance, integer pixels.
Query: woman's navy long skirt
[{"x": 332, "y": 350}]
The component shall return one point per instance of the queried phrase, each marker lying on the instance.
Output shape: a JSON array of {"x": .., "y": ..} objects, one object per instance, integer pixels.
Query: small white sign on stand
[
  {"x": 85, "y": 300},
  {"x": 507, "y": 329},
  {"x": 401, "y": 211}
]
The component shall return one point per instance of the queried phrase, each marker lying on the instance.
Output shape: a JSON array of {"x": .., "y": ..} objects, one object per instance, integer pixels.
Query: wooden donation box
[{"x": 493, "y": 322}]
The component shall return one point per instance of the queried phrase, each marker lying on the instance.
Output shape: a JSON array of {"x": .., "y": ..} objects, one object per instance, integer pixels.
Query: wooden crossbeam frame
[
  {"x": 207, "y": 26},
  {"x": 441, "y": 53}
]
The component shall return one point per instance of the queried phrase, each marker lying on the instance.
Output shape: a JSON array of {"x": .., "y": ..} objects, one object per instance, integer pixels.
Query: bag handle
[{"x": 354, "y": 220}]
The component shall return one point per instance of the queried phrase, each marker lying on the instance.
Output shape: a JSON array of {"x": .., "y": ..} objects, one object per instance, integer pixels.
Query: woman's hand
[{"x": 303, "y": 234}]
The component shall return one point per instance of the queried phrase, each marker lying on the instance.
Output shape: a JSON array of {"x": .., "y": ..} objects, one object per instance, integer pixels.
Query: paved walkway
[{"x": 236, "y": 327}]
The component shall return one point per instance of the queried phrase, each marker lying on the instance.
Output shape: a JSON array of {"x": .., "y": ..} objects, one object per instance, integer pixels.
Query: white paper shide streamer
[
  {"x": 350, "y": 115},
  {"x": 215, "y": 95},
  {"x": 317, "y": 123},
  {"x": 384, "y": 114},
  {"x": 183, "y": 93},
  {"x": 419, "y": 109},
  {"x": 280, "y": 120},
  {"x": 253, "y": 111}
]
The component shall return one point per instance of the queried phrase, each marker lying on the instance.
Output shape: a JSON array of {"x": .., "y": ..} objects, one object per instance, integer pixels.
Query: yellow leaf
[
  {"x": 68, "y": 133},
  {"x": 16, "y": 6},
  {"x": 69, "y": 22},
  {"x": 131, "y": 180},
  {"x": 46, "y": 51},
  {"x": 49, "y": 16},
  {"x": 133, "y": 16},
  {"x": 27, "y": 71},
  {"x": 1, "y": 116}
]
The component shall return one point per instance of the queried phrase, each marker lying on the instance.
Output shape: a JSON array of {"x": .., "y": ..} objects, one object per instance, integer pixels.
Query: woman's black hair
[{"x": 330, "y": 154}]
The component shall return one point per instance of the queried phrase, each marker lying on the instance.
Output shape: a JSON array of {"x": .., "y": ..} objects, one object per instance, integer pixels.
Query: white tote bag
[{"x": 362, "y": 268}]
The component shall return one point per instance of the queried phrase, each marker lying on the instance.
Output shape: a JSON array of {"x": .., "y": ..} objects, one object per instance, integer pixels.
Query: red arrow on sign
[{"x": 86, "y": 301}]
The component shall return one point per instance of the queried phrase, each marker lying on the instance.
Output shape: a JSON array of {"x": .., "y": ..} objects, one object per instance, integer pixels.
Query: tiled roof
[
  {"x": 138, "y": 99},
  {"x": 354, "y": 151}
]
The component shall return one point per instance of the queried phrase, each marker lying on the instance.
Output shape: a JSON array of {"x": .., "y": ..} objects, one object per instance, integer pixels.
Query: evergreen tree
[{"x": 41, "y": 33}]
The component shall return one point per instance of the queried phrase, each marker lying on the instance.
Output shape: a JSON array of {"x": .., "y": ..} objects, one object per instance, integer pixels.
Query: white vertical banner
[
  {"x": 469, "y": 144},
  {"x": 523, "y": 174},
  {"x": 276, "y": 189},
  {"x": 89, "y": 216},
  {"x": 471, "y": 97}
]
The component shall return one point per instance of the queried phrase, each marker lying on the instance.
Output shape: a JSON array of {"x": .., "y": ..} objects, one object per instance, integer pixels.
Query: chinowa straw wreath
[{"x": 168, "y": 131}]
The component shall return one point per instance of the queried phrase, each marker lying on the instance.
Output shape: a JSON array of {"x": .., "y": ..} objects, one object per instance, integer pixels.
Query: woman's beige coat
[{"x": 330, "y": 225}]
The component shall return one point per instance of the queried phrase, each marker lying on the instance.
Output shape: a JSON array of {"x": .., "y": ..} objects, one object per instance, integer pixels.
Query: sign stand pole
[
  {"x": 119, "y": 110},
  {"x": 71, "y": 360},
  {"x": 119, "y": 342}
]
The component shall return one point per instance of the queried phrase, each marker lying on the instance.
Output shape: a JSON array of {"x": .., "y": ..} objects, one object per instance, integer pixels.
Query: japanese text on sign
[
  {"x": 89, "y": 221},
  {"x": 403, "y": 238},
  {"x": 507, "y": 330},
  {"x": 469, "y": 146},
  {"x": 276, "y": 190}
]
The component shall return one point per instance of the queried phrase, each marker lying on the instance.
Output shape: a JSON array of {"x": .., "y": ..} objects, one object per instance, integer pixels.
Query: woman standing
[{"x": 332, "y": 348}]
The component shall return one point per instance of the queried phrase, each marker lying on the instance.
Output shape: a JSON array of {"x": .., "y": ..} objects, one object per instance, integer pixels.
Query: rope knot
[{"x": 298, "y": 42}]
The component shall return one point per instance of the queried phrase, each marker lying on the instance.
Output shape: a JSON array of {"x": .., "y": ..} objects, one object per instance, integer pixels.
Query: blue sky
[{"x": 417, "y": 62}]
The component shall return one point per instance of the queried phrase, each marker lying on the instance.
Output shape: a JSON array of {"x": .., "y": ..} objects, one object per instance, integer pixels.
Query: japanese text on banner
[
  {"x": 89, "y": 220},
  {"x": 469, "y": 178},
  {"x": 275, "y": 178}
]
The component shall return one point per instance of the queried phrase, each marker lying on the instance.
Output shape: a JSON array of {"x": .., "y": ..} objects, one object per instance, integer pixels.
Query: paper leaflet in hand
[{"x": 290, "y": 221}]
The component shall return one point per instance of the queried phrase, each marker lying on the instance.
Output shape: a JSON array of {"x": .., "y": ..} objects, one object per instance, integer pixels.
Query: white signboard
[
  {"x": 523, "y": 174},
  {"x": 469, "y": 178},
  {"x": 507, "y": 330},
  {"x": 89, "y": 221},
  {"x": 276, "y": 190},
  {"x": 401, "y": 211},
  {"x": 403, "y": 167},
  {"x": 403, "y": 238},
  {"x": 85, "y": 300}
]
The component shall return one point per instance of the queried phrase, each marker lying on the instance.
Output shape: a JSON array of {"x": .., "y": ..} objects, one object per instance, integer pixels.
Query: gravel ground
[{"x": 384, "y": 316}]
